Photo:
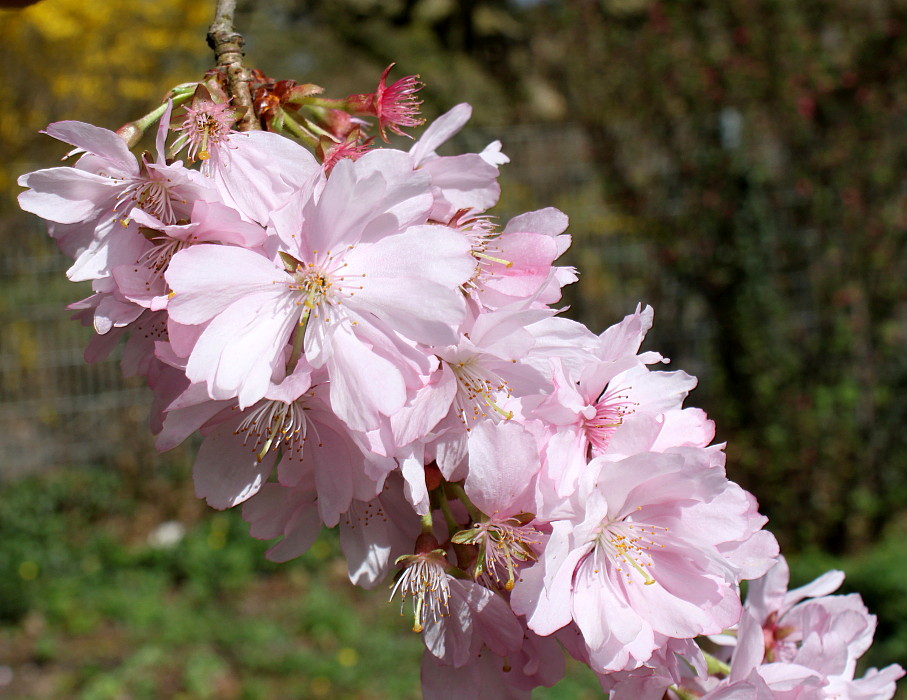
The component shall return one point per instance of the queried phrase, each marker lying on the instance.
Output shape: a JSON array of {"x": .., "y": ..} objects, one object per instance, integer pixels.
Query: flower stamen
[
  {"x": 501, "y": 544},
  {"x": 610, "y": 410},
  {"x": 274, "y": 423},
  {"x": 626, "y": 542},
  {"x": 425, "y": 579},
  {"x": 478, "y": 389},
  {"x": 206, "y": 127}
]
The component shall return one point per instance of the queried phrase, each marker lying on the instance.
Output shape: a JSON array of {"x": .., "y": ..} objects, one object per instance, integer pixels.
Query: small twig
[{"x": 228, "y": 54}]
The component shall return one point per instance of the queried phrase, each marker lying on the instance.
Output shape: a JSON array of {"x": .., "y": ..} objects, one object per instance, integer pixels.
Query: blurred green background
[{"x": 738, "y": 164}]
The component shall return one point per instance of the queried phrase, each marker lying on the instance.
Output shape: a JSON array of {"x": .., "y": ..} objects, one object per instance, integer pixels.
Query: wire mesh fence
[{"x": 54, "y": 408}]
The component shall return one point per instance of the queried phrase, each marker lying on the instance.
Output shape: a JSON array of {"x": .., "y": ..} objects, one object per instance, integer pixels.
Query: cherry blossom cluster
[{"x": 363, "y": 346}]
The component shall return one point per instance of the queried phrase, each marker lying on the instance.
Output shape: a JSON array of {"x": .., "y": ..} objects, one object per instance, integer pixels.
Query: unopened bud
[
  {"x": 130, "y": 133},
  {"x": 433, "y": 476},
  {"x": 426, "y": 542}
]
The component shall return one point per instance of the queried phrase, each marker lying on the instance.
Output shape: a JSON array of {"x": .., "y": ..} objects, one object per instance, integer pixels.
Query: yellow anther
[{"x": 506, "y": 263}]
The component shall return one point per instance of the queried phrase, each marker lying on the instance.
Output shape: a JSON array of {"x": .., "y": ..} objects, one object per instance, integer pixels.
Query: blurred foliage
[
  {"x": 762, "y": 144},
  {"x": 68, "y": 59},
  {"x": 96, "y": 611}
]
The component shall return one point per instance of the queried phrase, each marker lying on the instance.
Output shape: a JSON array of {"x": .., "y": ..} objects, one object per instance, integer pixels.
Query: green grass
[{"x": 92, "y": 612}]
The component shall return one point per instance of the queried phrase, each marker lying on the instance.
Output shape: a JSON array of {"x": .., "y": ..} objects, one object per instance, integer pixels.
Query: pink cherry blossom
[
  {"x": 425, "y": 581},
  {"x": 641, "y": 556},
  {"x": 356, "y": 268},
  {"x": 257, "y": 172},
  {"x": 491, "y": 676},
  {"x": 205, "y": 129},
  {"x": 483, "y": 678},
  {"x": 477, "y": 617},
  {"x": 603, "y": 413},
  {"x": 91, "y": 203},
  {"x": 360, "y": 345},
  {"x": 810, "y": 628},
  {"x": 291, "y": 514},
  {"x": 516, "y": 263},
  {"x": 395, "y": 105}
]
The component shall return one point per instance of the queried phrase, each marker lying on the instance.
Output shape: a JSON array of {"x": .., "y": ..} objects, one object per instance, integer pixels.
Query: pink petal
[
  {"x": 331, "y": 459},
  {"x": 440, "y": 131},
  {"x": 449, "y": 638},
  {"x": 68, "y": 195},
  {"x": 548, "y": 221},
  {"x": 261, "y": 171},
  {"x": 226, "y": 473},
  {"x": 301, "y": 531},
  {"x": 238, "y": 351},
  {"x": 466, "y": 181},
  {"x": 366, "y": 200},
  {"x": 503, "y": 458},
  {"x": 495, "y": 623},
  {"x": 207, "y": 279},
  {"x": 412, "y": 466},
  {"x": 530, "y": 256},
  {"x": 96, "y": 140},
  {"x": 364, "y": 385},
  {"x": 429, "y": 406}
]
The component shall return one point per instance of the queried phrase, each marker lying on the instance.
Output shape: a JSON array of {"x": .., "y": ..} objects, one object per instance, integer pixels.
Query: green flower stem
[
  {"x": 314, "y": 128},
  {"x": 474, "y": 513},
  {"x": 683, "y": 694},
  {"x": 428, "y": 524},
  {"x": 133, "y": 131},
  {"x": 143, "y": 123},
  {"x": 324, "y": 102},
  {"x": 452, "y": 526},
  {"x": 298, "y": 131},
  {"x": 716, "y": 666}
]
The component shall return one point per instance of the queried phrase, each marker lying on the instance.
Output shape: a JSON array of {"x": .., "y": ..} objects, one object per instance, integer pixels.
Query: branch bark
[{"x": 227, "y": 45}]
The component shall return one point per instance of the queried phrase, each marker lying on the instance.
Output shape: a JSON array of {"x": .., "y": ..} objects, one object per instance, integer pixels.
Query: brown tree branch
[{"x": 228, "y": 55}]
